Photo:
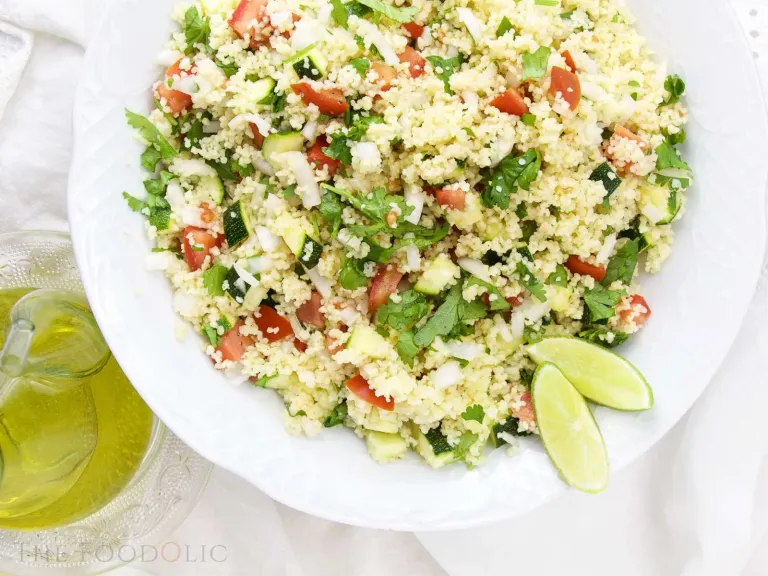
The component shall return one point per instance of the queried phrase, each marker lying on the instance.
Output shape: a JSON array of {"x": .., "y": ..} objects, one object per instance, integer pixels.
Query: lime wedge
[
  {"x": 568, "y": 430},
  {"x": 599, "y": 374}
]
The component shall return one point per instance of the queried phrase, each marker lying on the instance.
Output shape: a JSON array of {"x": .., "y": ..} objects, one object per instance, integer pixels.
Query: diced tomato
[
  {"x": 258, "y": 137},
  {"x": 620, "y": 132},
  {"x": 206, "y": 214},
  {"x": 385, "y": 75},
  {"x": 567, "y": 84},
  {"x": 526, "y": 412},
  {"x": 415, "y": 61},
  {"x": 511, "y": 102},
  {"x": 414, "y": 30},
  {"x": 454, "y": 199},
  {"x": 309, "y": 312},
  {"x": 233, "y": 344},
  {"x": 513, "y": 301},
  {"x": 316, "y": 156},
  {"x": 273, "y": 326},
  {"x": 384, "y": 285},
  {"x": 578, "y": 266},
  {"x": 638, "y": 310},
  {"x": 177, "y": 102},
  {"x": 333, "y": 345},
  {"x": 250, "y": 18},
  {"x": 299, "y": 345},
  {"x": 569, "y": 60},
  {"x": 329, "y": 101},
  {"x": 360, "y": 388},
  {"x": 197, "y": 244}
]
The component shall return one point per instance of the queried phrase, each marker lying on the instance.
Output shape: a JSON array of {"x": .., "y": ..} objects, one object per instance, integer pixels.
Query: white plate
[{"x": 698, "y": 301}]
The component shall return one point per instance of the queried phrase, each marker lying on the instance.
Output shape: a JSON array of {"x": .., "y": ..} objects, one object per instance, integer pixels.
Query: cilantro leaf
[
  {"x": 504, "y": 27},
  {"x": 559, "y": 277},
  {"x": 601, "y": 302},
  {"x": 157, "y": 186},
  {"x": 196, "y": 29},
  {"x": 339, "y": 149},
  {"x": 497, "y": 303},
  {"x": 406, "y": 348},
  {"x": 669, "y": 157},
  {"x": 512, "y": 171},
  {"x": 230, "y": 69},
  {"x": 401, "y": 15},
  {"x": 361, "y": 65},
  {"x": 360, "y": 126},
  {"x": 352, "y": 275},
  {"x": 676, "y": 88},
  {"x": 160, "y": 218},
  {"x": 445, "y": 67},
  {"x": 674, "y": 138},
  {"x": 134, "y": 203},
  {"x": 151, "y": 134},
  {"x": 339, "y": 13},
  {"x": 475, "y": 413},
  {"x": 530, "y": 281},
  {"x": 213, "y": 278},
  {"x": 402, "y": 315},
  {"x": 331, "y": 209},
  {"x": 622, "y": 266},
  {"x": 535, "y": 64},
  {"x": 337, "y": 416},
  {"x": 443, "y": 320},
  {"x": 466, "y": 440},
  {"x": 150, "y": 158},
  {"x": 603, "y": 336}
]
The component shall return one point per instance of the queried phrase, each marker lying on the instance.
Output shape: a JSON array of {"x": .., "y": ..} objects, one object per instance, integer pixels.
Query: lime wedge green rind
[
  {"x": 568, "y": 430},
  {"x": 599, "y": 374}
]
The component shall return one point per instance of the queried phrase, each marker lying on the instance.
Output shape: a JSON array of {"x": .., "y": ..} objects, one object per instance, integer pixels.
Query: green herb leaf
[
  {"x": 339, "y": 149},
  {"x": 352, "y": 275},
  {"x": 157, "y": 186},
  {"x": 230, "y": 69},
  {"x": 213, "y": 278},
  {"x": 402, "y": 315},
  {"x": 337, "y": 416},
  {"x": 559, "y": 277},
  {"x": 196, "y": 29},
  {"x": 511, "y": 172},
  {"x": 150, "y": 158},
  {"x": 445, "y": 68},
  {"x": 497, "y": 303},
  {"x": 669, "y": 157},
  {"x": 331, "y": 210},
  {"x": 339, "y": 13},
  {"x": 674, "y": 138},
  {"x": 602, "y": 336},
  {"x": 547, "y": 2},
  {"x": 474, "y": 412},
  {"x": 528, "y": 119},
  {"x": 160, "y": 218},
  {"x": 212, "y": 334},
  {"x": 601, "y": 302},
  {"x": 134, "y": 203},
  {"x": 622, "y": 266},
  {"x": 443, "y": 320},
  {"x": 567, "y": 15},
  {"x": 406, "y": 348},
  {"x": 535, "y": 64},
  {"x": 361, "y": 65},
  {"x": 466, "y": 440},
  {"x": 278, "y": 102},
  {"x": 530, "y": 281},
  {"x": 676, "y": 88},
  {"x": 401, "y": 15},
  {"x": 151, "y": 134},
  {"x": 504, "y": 27}
]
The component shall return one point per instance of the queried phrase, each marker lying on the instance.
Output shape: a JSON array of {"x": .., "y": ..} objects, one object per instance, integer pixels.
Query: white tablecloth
[{"x": 694, "y": 505}]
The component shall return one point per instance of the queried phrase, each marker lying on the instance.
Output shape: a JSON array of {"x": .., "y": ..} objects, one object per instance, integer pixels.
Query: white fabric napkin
[{"x": 693, "y": 506}]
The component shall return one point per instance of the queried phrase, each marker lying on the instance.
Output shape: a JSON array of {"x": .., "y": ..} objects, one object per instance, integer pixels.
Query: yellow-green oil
[{"x": 67, "y": 446}]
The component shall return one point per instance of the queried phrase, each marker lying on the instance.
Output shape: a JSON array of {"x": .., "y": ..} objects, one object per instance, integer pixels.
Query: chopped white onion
[
  {"x": 158, "y": 260},
  {"x": 383, "y": 46},
  {"x": 464, "y": 350},
  {"x": 502, "y": 327},
  {"x": 653, "y": 212},
  {"x": 307, "y": 31},
  {"x": 241, "y": 120},
  {"x": 607, "y": 249},
  {"x": 512, "y": 78},
  {"x": 186, "y": 304},
  {"x": 324, "y": 13},
  {"x": 259, "y": 264},
  {"x": 471, "y": 100},
  {"x": 593, "y": 91},
  {"x": 533, "y": 310},
  {"x": 262, "y": 165},
  {"x": 174, "y": 193},
  {"x": 249, "y": 278},
  {"x": 310, "y": 131},
  {"x": 414, "y": 196},
  {"x": 367, "y": 152},
  {"x": 189, "y": 85},
  {"x": 501, "y": 149},
  {"x": 193, "y": 216},
  {"x": 274, "y": 205},
  {"x": 193, "y": 167},
  {"x": 305, "y": 178},
  {"x": 295, "y": 324},
  {"x": 167, "y": 58},
  {"x": 473, "y": 24},
  {"x": 348, "y": 315},
  {"x": 268, "y": 241},
  {"x": 240, "y": 285},
  {"x": 277, "y": 19},
  {"x": 412, "y": 257},
  {"x": 323, "y": 285},
  {"x": 517, "y": 325},
  {"x": 475, "y": 267},
  {"x": 212, "y": 127},
  {"x": 449, "y": 374}
]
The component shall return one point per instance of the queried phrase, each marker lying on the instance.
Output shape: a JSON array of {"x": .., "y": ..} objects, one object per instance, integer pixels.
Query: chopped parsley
[
  {"x": 331, "y": 210},
  {"x": 196, "y": 30},
  {"x": 602, "y": 336},
  {"x": 676, "y": 88},
  {"x": 474, "y": 412},
  {"x": 337, "y": 415},
  {"x": 152, "y": 135},
  {"x": 495, "y": 300},
  {"x": 530, "y": 282},
  {"x": 361, "y": 65},
  {"x": 601, "y": 303},
  {"x": 352, "y": 275},
  {"x": 402, "y": 15},
  {"x": 511, "y": 173},
  {"x": 559, "y": 277},
  {"x": 213, "y": 279},
  {"x": 622, "y": 265},
  {"x": 445, "y": 68},
  {"x": 402, "y": 315},
  {"x": 504, "y": 27},
  {"x": 406, "y": 348}
]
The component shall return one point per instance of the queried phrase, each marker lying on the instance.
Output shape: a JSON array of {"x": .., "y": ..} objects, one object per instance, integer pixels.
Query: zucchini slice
[
  {"x": 262, "y": 90},
  {"x": 438, "y": 274},
  {"x": 279, "y": 143},
  {"x": 237, "y": 224},
  {"x": 309, "y": 63},
  {"x": 310, "y": 253},
  {"x": 213, "y": 188},
  {"x": 605, "y": 174},
  {"x": 659, "y": 204},
  {"x": 235, "y": 286}
]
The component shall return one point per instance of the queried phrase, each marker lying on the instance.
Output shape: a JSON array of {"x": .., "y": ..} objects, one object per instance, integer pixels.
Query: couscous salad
[{"x": 375, "y": 209}]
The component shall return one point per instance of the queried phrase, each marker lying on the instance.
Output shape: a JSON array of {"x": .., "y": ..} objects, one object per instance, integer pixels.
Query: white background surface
[{"x": 655, "y": 518}]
